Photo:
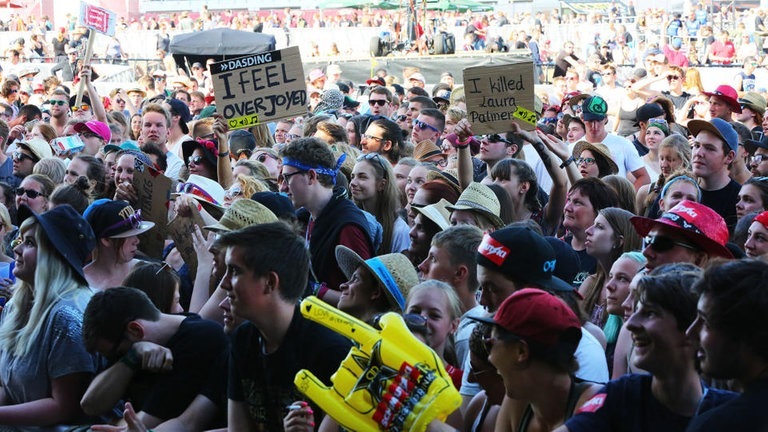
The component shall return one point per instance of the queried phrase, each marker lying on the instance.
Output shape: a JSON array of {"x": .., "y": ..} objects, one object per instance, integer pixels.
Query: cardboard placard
[
  {"x": 181, "y": 230},
  {"x": 260, "y": 88},
  {"x": 96, "y": 18},
  {"x": 498, "y": 95},
  {"x": 154, "y": 191}
]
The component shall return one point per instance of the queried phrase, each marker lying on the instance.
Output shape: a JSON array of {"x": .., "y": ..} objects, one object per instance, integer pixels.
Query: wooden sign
[
  {"x": 497, "y": 95},
  {"x": 260, "y": 88},
  {"x": 154, "y": 191},
  {"x": 181, "y": 230}
]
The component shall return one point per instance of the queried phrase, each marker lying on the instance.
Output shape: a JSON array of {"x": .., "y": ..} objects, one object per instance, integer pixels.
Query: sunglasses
[
  {"x": 83, "y": 107},
  {"x": 366, "y": 136},
  {"x": 493, "y": 138},
  {"x": 673, "y": 77},
  {"x": 15, "y": 91},
  {"x": 57, "y": 102},
  {"x": 379, "y": 102},
  {"x": 31, "y": 194},
  {"x": 588, "y": 161},
  {"x": 133, "y": 221},
  {"x": 233, "y": 192},
  {"x": 372, "y": 157},
  {"x": 197, "y": 160},
  {"x": 758, "y": 159},
  {"x": 19, "y": 156},
  {"x": 421, "y": 125},
  {"x": 193, "y": 189},
  {"x": 401, "y": 117},
  {"x": 660, "y": 243}
]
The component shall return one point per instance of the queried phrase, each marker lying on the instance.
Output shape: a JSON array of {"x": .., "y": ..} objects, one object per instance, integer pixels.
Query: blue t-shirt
[{"x": 627, "y": 405}]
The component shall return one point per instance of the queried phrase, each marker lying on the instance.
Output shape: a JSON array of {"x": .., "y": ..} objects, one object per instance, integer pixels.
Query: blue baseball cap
[{"x": 719, "y": 127}]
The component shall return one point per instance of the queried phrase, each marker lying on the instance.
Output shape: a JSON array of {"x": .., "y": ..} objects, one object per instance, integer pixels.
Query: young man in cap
[
  {"x": 178, "y": 131},
  {"x": 752, "y": 112},
  {"x": 644, "y": 114},
  {"x": 689, "y": 232},
  {"x": 308, "y": 177},
  {"x": 723, "y": 102},
  {"x": 160, "y": 361},
  {"x": 731, "y": 332},
  {"x": 714, "y": 148},
  {"x": 594, "y": 111},
  {"x": 27, "y": 154},
  {"x": 267, "y": 267},
  {"x": 415, "y": 105},
  {"x": 242, "y": 143},
  {"x": 758, "y": 156}
]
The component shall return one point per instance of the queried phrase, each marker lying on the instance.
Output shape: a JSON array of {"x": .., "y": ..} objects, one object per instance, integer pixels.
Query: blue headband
[
  {"x": 317, "y": 168},
  {"x": 675, "y": 179},
  {"x": 383, "y": 273}
]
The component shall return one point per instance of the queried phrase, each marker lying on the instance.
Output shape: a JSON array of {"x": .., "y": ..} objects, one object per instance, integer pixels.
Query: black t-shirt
[
  {"x": 744, "y": 413},
  {"x": 723, "y": 201},
  {"x": 628, "y": 405},
  {"x": 264, "y": 382},
  {"x": 197, "y": 349}
]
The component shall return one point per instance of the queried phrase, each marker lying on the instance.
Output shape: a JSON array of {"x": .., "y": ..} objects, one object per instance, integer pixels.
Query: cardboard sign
[
  {"x": 154, "y": 191},
  {"x": 260, "y": 88},
  {"x": 96, "y": 18},
  {"x": 181, "y": 229},
  {"x": 498, "y": 95}
]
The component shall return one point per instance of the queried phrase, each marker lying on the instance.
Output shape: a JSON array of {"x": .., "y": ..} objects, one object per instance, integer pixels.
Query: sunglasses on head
[
  {"x": 493, "y": 138},
  {"x": 133, "y": 221},
  {"x": 660, "y": 243},
  {"x": 31, "y": 194},
  {"x": 233, "y": 192},
  {"x": 379, "y": 102},
  {"x": 193, "y": 189}
]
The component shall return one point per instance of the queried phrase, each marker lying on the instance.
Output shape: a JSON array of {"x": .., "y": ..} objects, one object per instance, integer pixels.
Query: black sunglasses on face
[
  {"x": 31, "y": 194},
  {"x": 660, "y": 243}
]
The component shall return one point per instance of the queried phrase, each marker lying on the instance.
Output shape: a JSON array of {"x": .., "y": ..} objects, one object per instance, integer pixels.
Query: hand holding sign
[
  {"x": 389, "y": 381},
  {"x": 498, "y": 94}
]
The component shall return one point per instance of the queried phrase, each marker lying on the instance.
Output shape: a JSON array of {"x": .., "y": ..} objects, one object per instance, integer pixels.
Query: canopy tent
[
  {"x": 357, "y": 4},
  {"x": 218, "y": 44},
  {"x": 458, "y": 5}
]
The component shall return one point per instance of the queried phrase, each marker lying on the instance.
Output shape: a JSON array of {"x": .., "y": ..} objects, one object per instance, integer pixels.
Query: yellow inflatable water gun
[{"x": 390, "y": 381}]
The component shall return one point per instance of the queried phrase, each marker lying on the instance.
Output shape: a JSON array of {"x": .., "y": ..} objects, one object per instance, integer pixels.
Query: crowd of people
[{"x": 605, "y": 271}]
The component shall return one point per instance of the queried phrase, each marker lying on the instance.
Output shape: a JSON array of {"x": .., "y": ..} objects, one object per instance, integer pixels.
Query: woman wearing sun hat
[
  {"x": 116, "y": 226},
  {"x": 593, "y": 160},
  {"x": 376, "y": 285},
  {"x": 44, "y": 364}
]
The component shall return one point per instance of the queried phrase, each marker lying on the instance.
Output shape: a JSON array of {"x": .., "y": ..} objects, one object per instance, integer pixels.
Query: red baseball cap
[
  {"x": 729, "y": 95},
  {"x": 537, "y": 316},
  {"x": 701, "y": 225}
]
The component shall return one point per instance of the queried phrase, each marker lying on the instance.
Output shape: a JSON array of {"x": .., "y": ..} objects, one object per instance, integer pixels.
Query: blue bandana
[{"x": 317, "y": 168}]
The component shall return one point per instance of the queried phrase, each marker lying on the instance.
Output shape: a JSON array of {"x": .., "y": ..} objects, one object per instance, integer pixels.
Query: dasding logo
[
  {"x": 686, "y": 210},
  {"x": 493, "y": 250}
]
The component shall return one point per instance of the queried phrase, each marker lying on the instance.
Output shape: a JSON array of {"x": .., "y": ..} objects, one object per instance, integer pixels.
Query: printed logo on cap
[
  {"x": 549, "y": 266},
  {"x": 593, "y": 404},
  {"x": 493, "y": 250}
]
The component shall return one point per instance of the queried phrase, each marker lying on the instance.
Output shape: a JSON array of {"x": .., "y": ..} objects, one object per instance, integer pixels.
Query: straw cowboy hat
[
  {"x": 478, "y": 197},
  {"x": 242, "y": 213},
  {"x": 394, "y": 272},
  {"x": 437, "y": 213},
  {"x": 598, "y": 149}
]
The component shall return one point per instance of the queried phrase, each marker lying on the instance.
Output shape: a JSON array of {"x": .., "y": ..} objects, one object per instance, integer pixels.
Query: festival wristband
[{"x": 567, "y": 162}]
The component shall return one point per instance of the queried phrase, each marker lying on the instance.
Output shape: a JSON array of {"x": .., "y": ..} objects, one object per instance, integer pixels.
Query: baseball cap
[
  {"x": 180, "y": 109},
  {"x": 537, "y": 316},
  {"x": 752, "y": 145},
  {"x": 280, "y": 205},
  {"x": 417, "y": 76},
  {"x": 315, "y": 74},
  {"x": 721, "y": 128},
  {"x": 520, "y": 253},
  {"x": 376, "y": 81},
  {"x": 727, "y": 94},
  {"x": 240, "y": 141},
  {"x": 701, "y": 225},
  {"x": 649, "y": 111},
  {"x": 115, "y": 219},
  {"x": 594, "y": 108},
  {"x": 96, "y": 127}
]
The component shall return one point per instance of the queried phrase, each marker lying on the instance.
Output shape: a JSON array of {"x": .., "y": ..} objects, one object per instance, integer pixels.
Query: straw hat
[
  {"x": 243, "y": 213},
  {"x": 447, "y": 176},
  {"x": 598, "y": 149},
  {"x": 480, "y": 198},
  {"x": 437, "y": 213},
  {"x": 426, "y": 150},
  {"x": 394, "y": 272}
]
